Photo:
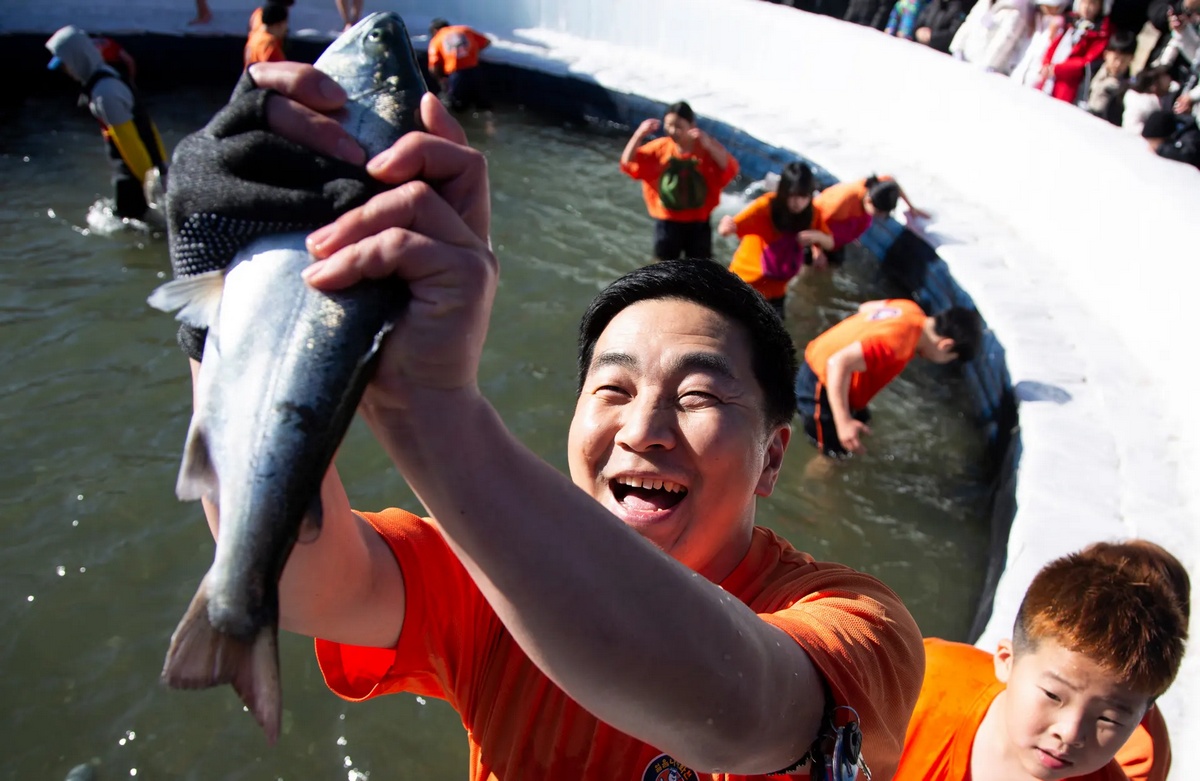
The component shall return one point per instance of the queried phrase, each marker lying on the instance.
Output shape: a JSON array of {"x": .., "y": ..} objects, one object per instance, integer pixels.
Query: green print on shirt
[{"x": 682, "y": 186}]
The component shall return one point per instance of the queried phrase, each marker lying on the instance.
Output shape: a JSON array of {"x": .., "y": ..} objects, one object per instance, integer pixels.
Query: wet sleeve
[
  {"x": 442, "y": 606},
  {"x": 868, "y": 648}
]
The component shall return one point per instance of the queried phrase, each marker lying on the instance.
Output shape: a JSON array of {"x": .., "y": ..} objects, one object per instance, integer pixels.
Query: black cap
[{"x": 1160, "y": 124}]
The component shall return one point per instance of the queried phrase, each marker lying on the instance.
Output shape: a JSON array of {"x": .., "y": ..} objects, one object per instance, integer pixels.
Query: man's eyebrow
[{"x": 713, "y": 363}]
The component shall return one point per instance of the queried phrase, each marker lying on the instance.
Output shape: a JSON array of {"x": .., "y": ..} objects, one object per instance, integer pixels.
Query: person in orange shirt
[
  {"x": 629, "y": 620},
  {"x": 1096, "y": 640},
  {"x": 265, "y": 42},
  {"x": 851, "y": 207},
  {"x": 776, "y": 231},
  {"x": 848, "y": 364},
  {"x": 256, "y": 15},
  {"x": 454, "y": 62},
  {"x": 682, "y": 176}
]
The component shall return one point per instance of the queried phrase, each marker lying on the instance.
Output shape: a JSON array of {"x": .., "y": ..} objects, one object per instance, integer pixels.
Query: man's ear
[
  {"x": 946, "y": 345},
  {"x": 1003, "y": 660},
  {"x": 773, "y": 460}
]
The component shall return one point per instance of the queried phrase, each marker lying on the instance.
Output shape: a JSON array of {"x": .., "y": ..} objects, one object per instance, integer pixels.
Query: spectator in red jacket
[{"x": 1075, "y": 51}]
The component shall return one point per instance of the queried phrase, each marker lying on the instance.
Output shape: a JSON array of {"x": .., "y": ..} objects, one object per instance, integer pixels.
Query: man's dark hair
[
  {"x": 710, "y": 285},
  {"x": 884, "y": 193},
  {"x": 681, "y": 110},
  {"x": 437, "y": 24},
  {"x": 795, "y": 179},
  {"x": 273, "y": 13},
  {"x": 964, "y": 326}
]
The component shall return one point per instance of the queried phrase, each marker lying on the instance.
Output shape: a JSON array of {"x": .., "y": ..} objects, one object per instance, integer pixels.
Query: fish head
[{"x": 375, "y": 64}]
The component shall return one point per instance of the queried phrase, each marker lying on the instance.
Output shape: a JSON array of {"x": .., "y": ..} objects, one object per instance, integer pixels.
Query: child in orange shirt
[
  {"x": 682, "y": 176},
  {"x": 1098, "y": 637},
  {"x": 847, "y": 365},
  {"x": 454, "y": 62},
  {"x": 851, "y": 207},
  {"x": 265, "y": 42},
  {"x": 776, "y": 231}
]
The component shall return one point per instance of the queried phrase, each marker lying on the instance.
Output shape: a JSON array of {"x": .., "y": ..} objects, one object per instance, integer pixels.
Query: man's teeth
[{"x": 657, "y": 485}]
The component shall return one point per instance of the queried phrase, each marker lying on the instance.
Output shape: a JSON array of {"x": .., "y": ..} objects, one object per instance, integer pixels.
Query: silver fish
[{"x": 283, "y": 370}]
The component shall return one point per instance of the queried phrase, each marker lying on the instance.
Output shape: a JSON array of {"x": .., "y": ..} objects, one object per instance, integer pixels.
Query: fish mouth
[{"x": 643, "y": 494}]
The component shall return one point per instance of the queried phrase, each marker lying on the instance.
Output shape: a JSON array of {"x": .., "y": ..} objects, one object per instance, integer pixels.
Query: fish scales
[{"x": 283, "y": 370}]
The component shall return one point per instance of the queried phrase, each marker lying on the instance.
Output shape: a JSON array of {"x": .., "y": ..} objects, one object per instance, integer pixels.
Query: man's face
[
  {"x": 1117, "y": 63},
  {"x": 669, "y": 434},
  {"x": 1065, "y": 715},
  {"x": 1090, "y": 9}
]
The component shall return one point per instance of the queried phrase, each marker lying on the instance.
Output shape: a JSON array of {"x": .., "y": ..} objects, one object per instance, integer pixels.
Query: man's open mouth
[{"x": 643, "y": 494}]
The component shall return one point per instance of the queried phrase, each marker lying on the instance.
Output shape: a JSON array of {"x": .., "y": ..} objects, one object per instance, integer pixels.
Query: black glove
[{"x": 234, "y": 181}]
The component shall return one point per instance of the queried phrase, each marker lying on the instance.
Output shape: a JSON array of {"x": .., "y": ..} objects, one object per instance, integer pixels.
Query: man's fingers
[
  {"x": 438, "y": 121},
  {"x": 457, "y": 172},
  {"x": 300, "y": 82},
  {"x": 413, "y": 206},
  {"x": 312, "y": 130}
]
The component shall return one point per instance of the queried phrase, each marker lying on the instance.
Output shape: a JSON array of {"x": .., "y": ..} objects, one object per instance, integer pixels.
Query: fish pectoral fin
[
  {"x": 201, "y": 656},
  {"x": 197, "y": 477},
  {"x": 310, "y": 525},
  {"x": 197, "y": 298}
]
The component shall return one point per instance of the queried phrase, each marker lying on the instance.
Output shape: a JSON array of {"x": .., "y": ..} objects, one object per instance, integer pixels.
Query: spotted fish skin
[{"x": 284, "y": 367}]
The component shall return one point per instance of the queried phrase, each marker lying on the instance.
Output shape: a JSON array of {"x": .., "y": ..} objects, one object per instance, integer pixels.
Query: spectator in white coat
[{"x": 994, "y": 35}]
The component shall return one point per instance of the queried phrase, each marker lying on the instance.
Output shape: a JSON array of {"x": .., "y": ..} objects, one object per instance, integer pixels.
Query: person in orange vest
[
  {"x": 848, "y": 364},
  {"x": 682, "y": 175},
  {"x": 454, "y": 61},
  {"x": 265, "y": 42}
]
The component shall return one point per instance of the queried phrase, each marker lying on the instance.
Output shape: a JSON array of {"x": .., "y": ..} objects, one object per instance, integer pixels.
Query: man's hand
[
  {"x": 924, "y": 35},
  {"x": 727, "y": 226},
  {"x": 647, "y": 127},
  {"x": 431, "y": 230},
  {"x": 1183, "y": 104},
  {"x": 850, "y": 433}
]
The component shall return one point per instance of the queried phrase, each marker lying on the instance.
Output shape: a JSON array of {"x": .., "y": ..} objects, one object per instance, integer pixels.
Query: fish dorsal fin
[
  {"x": 197, "y": 478},
  {"x": 197, "y": 298}
]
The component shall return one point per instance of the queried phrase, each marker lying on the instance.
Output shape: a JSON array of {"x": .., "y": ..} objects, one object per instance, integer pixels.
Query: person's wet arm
[{"x": 838, "y": 372}]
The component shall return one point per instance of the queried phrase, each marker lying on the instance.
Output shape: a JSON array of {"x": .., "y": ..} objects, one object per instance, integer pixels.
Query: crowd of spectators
[{"x": 1132, "y": 63}]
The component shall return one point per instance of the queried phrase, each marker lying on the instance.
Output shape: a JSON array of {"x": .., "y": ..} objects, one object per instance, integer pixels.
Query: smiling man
[{"x": 631, "y": 622}]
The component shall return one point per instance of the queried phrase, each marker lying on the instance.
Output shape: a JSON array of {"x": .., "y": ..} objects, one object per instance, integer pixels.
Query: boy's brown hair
[{"x": 1122, "y": 605}]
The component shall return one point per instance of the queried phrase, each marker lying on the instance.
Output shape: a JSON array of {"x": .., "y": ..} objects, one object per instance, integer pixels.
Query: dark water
[{"x": 99, "y": 559}]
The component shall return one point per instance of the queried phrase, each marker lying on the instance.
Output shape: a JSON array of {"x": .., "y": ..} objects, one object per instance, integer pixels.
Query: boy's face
[
  {"x": 1117, "y": 62},
  {"x": 669, "y": 431},
  {"x": 1065, "y": 715},
  {"x": 1090, "y": 9}
]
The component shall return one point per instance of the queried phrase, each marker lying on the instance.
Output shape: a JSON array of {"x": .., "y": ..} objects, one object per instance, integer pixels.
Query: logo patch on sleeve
[{"x": 665, "y": 768}]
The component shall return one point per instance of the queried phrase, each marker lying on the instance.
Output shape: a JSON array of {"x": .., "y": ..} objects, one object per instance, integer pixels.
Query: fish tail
[{"x": 201, "y": 656}]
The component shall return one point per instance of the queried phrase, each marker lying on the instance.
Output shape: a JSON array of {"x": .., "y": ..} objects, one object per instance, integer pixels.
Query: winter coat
[
  {"x": 994, "y": 34},
  {"x": 1082, "y": 61},
  {"x": 943, "y": 18},
  {"x": 872, "y": 13},
  {"x": 1184, "y": 144}
]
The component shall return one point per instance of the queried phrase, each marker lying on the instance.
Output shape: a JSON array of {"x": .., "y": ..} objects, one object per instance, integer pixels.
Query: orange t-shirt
[
  {"x": 842, "y": 205},
  {"x": 521, "y": 725},
  {"x": 1146, "y": 756},
  {"x": 261, "y": 46},
  {"x": 888, "y": 336},
  {"x": 255, "y": 20},
  {"x": 456, "y": 48},
  {"x": 679, "y": 186},
  {"x": 758, "y": 232},
  {"x": 960, "y": 685}
]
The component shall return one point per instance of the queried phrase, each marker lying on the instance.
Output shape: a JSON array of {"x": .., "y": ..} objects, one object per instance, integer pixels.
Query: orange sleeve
[
  {"x": 429, "y": 653},
  {"x": 1146, "y": 756},
  {"x": 480, "y": 40},
  {"x": 647, "y": 162},
  {"x": 868, "y": 648},
  {"x": 435, "y": 51},
  {"x": 819, "y": 223},
  {"x": 755, "y": 219}
]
